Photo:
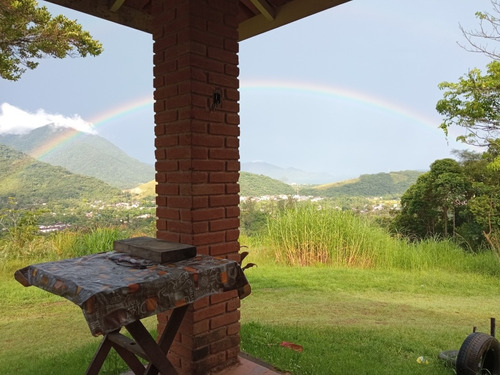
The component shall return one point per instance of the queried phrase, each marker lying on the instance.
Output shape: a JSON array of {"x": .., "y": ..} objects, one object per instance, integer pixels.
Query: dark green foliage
[
  {"x": 434, "y": 203},
  {"x": 253, "y": 218},
  {"x": 82, "y": 153},
  {"x": 29, "y": 32},
  {"x": 454, "y": 199},
  {"x": 18, "y": 225}
]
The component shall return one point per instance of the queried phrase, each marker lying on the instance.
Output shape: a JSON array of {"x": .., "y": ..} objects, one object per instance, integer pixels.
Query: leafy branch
[{"x": 29, "y": 33}]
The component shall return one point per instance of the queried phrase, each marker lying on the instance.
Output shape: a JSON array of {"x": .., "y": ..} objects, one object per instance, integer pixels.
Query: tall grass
[
  {"x": 307, "y": 235},
  {"x": 310, "y": 235},
  {"x": 95, "y": 241},
  {"x": 58, "y": 245}
]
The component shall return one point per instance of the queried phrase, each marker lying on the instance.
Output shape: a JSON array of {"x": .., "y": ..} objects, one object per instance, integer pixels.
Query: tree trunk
[{"x": 445, "y": 218}]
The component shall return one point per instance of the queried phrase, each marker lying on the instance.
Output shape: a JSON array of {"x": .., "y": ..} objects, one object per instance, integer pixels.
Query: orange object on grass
[{"x": 291, "y": 345}]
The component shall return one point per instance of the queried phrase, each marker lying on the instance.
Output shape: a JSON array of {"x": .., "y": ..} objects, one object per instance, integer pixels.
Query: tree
[
  {"x": 489, "y": 26},
  {"x": 432, "y": 202},
  {"x": 481, "y": 217},
  {"x": 473, "y": 103},
  {"x": 464, "y": 194},
  {"x": 451, "y": 190},
  {"x": 418, "y": 217},
  {"x": 19, "y": 225},
  {"x": 29, "y": 33}
]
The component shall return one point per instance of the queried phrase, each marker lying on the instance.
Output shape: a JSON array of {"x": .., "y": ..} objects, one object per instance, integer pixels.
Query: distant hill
[
  {"x": 145, "y": 190},
  {"x": 253, "y": 185},
  {"x": 287, "y": 175},
  {"x": 392, "y": 184},
  {"x": 82, "y": 153},
  {"x": 33, "y": 182}
]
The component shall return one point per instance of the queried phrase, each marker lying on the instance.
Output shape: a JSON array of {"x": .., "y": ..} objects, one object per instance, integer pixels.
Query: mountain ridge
[
  {"x": 33, "y": 182},
  {"x": 82, "y": 153},
  {"x": 391, "y": 184},
  {"x": 91, "y": 155}
]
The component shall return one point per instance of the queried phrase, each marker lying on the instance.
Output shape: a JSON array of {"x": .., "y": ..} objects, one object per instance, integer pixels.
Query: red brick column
[{"x": 195, "y": 63}]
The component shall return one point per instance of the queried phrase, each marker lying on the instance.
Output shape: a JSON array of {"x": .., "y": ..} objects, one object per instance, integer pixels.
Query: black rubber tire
[
  {"x": 449, "y": 357},
  {"x": 479, "y": 355}
]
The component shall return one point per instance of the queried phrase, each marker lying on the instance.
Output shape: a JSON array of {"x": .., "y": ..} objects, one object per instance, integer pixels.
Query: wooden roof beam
[
  {"x": 290, "y": 12},
  {"x": 117, "y": 4},
  {"x": 125, "y": 16},
  {"x": 265, "y": 9}
]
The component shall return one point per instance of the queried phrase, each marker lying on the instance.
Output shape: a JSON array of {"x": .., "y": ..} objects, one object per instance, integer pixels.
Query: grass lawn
[
  {"x": 353, "y": 321},
  {"x": 348, "y": 321}
]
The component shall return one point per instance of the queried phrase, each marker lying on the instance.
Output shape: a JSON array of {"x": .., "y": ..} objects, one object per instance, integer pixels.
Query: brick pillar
[{"x": 195, "y": 57}]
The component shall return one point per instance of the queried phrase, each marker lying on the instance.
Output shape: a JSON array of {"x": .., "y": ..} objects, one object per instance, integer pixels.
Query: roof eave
[{"x": 269, "y": 18}]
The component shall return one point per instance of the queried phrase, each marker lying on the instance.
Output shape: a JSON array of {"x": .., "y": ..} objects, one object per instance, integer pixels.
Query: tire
[
  {"x": 479, "y": 355},
  {"x": 449, "y": 357}
]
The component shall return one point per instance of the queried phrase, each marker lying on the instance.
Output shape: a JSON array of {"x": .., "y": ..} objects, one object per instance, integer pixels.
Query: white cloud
[{"x": 16, "y": 121}]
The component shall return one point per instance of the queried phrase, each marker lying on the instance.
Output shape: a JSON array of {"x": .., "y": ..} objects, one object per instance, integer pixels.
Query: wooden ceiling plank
[
  {"x": 126, "y": 16},
  {"x": 290, "y": 12},
  {"x": 265, "y": 9}
]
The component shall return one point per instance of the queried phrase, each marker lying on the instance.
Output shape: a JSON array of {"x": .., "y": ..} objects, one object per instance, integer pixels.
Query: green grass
[
  {"x": 349, "y": 321},
  {"x": 354, "y": 321}
]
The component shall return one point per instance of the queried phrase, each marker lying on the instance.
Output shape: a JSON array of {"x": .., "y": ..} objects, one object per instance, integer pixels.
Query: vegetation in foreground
[{"x": 374, "y": 311}]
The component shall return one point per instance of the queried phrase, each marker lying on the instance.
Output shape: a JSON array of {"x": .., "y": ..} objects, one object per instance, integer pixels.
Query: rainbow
[
  {"x": 51, "y": 145},
  {"x": 101, "y": 119},
  {"x": 301, "y": 88},
  {"x": 342, "y": 94}
]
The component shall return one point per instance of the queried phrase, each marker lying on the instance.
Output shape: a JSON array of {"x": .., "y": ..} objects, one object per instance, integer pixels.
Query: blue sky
[{"x": 348, "y": 91}]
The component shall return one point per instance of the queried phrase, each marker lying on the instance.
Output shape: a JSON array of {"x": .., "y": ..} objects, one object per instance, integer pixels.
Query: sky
[{"x": 348, "y": 91}]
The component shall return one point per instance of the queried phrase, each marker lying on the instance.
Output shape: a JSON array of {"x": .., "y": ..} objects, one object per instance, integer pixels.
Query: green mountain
[
  {"x": 255, "y": 185},
  {"x": 392, "y": 184},
  {"x": 82, "y": 153},
  {"x": 32, "y": 182}
]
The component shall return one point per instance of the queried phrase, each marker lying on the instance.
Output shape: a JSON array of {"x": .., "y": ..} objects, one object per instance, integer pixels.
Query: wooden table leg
[
  {"x": 118, "y": 342},
  {"x": 130, "y": 359},
  {"x": 155, "y": 353},
  {"x": 99, "y": 357},
  {"x": 168, "y": 335},
  {"x": 157, "y": 357}
]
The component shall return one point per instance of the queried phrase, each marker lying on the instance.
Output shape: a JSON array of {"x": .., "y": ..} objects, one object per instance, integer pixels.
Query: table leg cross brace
[{"x": 144, "y": 346}]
